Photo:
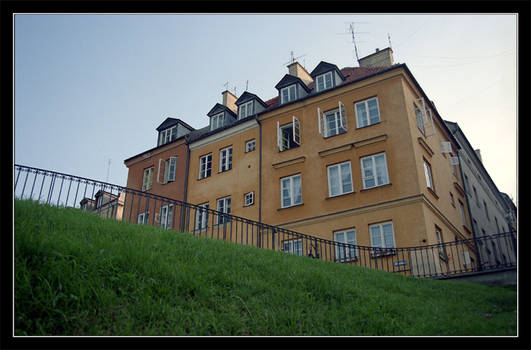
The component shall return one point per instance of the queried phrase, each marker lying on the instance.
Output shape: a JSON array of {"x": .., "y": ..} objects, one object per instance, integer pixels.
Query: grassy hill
[{"x": 78, "y": 274}]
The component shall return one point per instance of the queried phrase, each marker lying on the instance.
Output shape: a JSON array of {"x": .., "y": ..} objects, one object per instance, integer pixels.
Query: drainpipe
[
  {"x": 469, "y": 212},
  {"x": 187, "y": 171},
  {"x": 260, "y": 179}
]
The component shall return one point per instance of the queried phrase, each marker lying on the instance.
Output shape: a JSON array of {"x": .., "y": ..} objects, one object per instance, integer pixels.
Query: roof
[
  {"x": 218, "y": 108},
  {"x": 289, "y": 79},
  {"x": 247, "y": 96},
  {"x": 324, "y": 67},
  {"x": 171, "y": 122}
]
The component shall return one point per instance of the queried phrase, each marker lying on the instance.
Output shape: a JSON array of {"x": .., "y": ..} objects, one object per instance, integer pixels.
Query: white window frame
[
  {"x": 244, "y": 108},
  {"x": 322, "y": 78},
  {"x": 166, "y": 216},
  {"x": 205, "y": 165},
  {"x": 292, "y": 93},
  {"x": 429, "y": 176},
  {"x": 374, "y": 171},
  {"x": 167, "y": 135},
  {"x": 168, "y": 172},
  {"x": 441, "y": 249},
  {"x": 224, "y": 205},
  {"x": 340, "y": 120},
  {"x": 340, "y": 179},
  {"x": 147, "y": 180},
  {"x": 387, "y": 248},
  {"x": 225, "y": 159},
  {"x": 419, "y": 116},
  {"x": 248, "y": 199},
  {"x": 364, "y": 121},
  {"x": 291, "y": 189},
  {"x": 292, "y": 246},
  {"x": 283, "y": 143},
  {"x": 142, "y": 218},
  {"x": 218, "y": 121},
  {"x": 248, "y": 145},
  {"x": 462, "y": 212},
  {"x": 201, "y": 216},
  {"x": 342, "y": 252}
]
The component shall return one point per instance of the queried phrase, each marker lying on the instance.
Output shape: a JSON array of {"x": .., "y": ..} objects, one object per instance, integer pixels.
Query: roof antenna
[
  {"x": 354, "y": 40},
  {"x": 235, "y": 93},
  {"x": 389, "y": 39},
  {"x": 108, "y": 169},
  {"x": 246, "y": 85},
  {"x": 226, "y": 85},
  {"x": 293, "y": 59}
]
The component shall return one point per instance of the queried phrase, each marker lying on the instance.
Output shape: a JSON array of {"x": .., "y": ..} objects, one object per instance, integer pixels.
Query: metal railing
[{"x": 492, "y": 252}]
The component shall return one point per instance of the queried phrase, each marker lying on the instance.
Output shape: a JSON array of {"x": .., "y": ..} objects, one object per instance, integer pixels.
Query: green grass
[{"x": 78, "y": 274}]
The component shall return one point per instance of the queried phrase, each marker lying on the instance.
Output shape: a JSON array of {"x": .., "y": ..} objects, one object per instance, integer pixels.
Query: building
[
  {"x": 489, "y": 210},
  {"x": 105, "y": 204},
  {"x": 355, "y": 155},
  {"x": 161, "y": 171}
]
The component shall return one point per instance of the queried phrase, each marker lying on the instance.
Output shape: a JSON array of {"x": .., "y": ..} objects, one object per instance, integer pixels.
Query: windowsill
[
  {"x": 249, "y": 151},
  {"x": 339, "y": 195},
  {"x": 291, "y": 206},
  {"x": 224, "y": 171},
  {"x": 366, "y": 126},
  {"x": 432, "y": 192},
  {"x": 287, "y": 149},
  {"x": 372, "y": 188},
  {"x": 339, "y": 133},
  {"x": 203, "y": 178},
  {"x": 248, "y": 205}
]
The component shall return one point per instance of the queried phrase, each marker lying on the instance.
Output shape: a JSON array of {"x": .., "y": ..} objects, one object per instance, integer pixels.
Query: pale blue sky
[{"x": 89, "y": 88}]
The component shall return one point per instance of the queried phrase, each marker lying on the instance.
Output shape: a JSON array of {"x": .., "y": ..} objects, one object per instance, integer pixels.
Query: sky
[{"x": 91, "y": 89}]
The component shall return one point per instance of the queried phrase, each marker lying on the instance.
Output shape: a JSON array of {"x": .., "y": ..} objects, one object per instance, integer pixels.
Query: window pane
[
  {"x": 292, "y": 93},
  {"x": 286, "y": 196},
  {"x": 368, "y": 175},
  {"x": 388, "y": 235},
  {"x": 320, "y": 83},
  {"x": 333, "y": 173},
  {"x": 332, "y": 126},
  {"x": 328, "y": 78},
  {"x": 361, "y": 114},
  {"x": 376, "y": 238},
  {"x": 297, "y": 190},
  {"x": 381, "y": 169},
  {"x": 346, "y": 179},
  {"x": 373, "y": 111},
  {"x": 285, "y": 95}
]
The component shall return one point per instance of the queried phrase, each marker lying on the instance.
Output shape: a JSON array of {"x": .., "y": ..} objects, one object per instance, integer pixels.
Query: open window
[
  {"x": 333, "y": 122},
  {"x": 166, "y": 170},
  {"x": 289, "y": 135},
  {"x": 424, "y": 118}
]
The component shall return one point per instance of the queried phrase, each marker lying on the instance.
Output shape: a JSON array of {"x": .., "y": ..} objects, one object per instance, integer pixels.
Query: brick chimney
[
  {"x": 381, "y": 58},
  {"x": 228, "y": 100},
  {"x": 298, "y": 71}
]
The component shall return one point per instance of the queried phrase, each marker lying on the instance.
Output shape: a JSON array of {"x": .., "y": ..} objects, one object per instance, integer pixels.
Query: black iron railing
[{"x": 121, "y": 203}]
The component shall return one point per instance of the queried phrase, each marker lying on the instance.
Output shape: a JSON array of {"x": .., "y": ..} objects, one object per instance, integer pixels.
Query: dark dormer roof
[
  {"x": 289, "y": 80},
  {"x": 218, "y": 108},
  {"x": 169, "y": 122},
  {"x": 324, "y": 67},
  {"x": 247, "y": 96}
]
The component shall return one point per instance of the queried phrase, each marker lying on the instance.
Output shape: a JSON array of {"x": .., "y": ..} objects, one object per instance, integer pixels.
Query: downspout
[
  {"x": 260, "y": 179},
  {"x": 468, "y": 210},
  {"x": 187, "y": 171}
]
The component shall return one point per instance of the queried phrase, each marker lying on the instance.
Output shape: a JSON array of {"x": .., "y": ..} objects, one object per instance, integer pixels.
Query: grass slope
[{"x": 78, "y": 274}]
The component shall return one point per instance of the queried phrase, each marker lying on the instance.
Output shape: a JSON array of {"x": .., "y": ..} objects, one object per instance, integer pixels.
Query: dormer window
[
  {"x": 324, "y": 81},
  {"x": 168, "y": 135},
  {"x": 288, "y": 94},
  {"x": 217, "y": 121},
  {"x": 246, "y": 109}
]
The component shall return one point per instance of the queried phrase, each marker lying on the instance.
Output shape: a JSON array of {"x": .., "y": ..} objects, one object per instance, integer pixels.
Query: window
[
  {"x": 201, "y": 216},
  {"x": 289, "y": 135},
  {"x": 419, "y": 117},
  {"x": 452, "y": 202},
  {"x": 250, "y": 146},
  {"x": 486, "y": 210},
  {"x": 205, "y": 166},
  {"x": 167, "y": 135},
  {"x": 288, "y": 94},
  {"x": 438, "y": 236},
  {"x": 147, "y": 181},
  {"x": 249, "y": 199},
  {"x": 142, "y": 218},
  {"x": 168, "y": 172},
  {"x": 476, "y": 195},
  {"x": 290, "y": 191},
  {"x": 223, "y": 208},
  {"x": 367, "y": 112},
  {"x": 343, "y": 252},
  {"x": 382, "y": 236},
  {"x": 333, "y": 122},
  {"x": 339, "y": 179},
  {"x": 217, "y": 121},
  {"x": 374, "y": 171},
  {"x": 462, "y": 212},
  {"x": 497, "y": 225},
  {"x": 246, "y": 109},
  {"x": 166, "y": 214},
  {"x": 429, "y": 178},
  {"x": 293, "y": 246},
  {"x": 324, "y": 81},
  {"x": 225, "y": 159}
]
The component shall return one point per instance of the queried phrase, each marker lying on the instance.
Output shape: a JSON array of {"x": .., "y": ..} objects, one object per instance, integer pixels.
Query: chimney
[
  {"x": 228, "y": 100},
  {"x": 380, "y": 58},
  {"x": 478, "y": 153},
  {"x": 298, "y": 71}
]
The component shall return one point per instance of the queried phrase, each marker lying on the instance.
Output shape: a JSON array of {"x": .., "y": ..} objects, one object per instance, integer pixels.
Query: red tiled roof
[{"x": 350, "y": 73}]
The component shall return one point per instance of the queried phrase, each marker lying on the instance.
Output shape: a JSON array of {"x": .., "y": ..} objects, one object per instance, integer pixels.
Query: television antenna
[
  {"x": 353, "y": 33},
  {"x": 108, "y": 169},
  {"x": 226, "y": 85},
  {"x": 293, "y": 59}
]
